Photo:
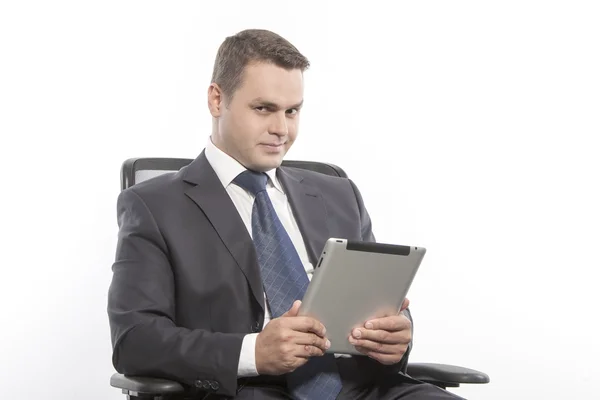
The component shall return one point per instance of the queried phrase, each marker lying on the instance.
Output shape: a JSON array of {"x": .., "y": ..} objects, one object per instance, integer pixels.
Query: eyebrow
[{"x": 269, "y": 104}]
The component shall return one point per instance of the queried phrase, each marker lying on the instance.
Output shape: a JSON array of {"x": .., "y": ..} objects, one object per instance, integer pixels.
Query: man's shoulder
[
  {"x": 313, "y": 176},
  {"x": 158, "y": 187},
  {"x": 328, "y": 185}
]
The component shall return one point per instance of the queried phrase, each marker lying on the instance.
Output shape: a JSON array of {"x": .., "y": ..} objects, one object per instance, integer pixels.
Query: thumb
[
  {"x": 292, "y": 312},
  {"x": 405, "y": 304}
]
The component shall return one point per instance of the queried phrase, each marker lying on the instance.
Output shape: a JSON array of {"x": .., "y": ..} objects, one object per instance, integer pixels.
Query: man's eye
[{"x": 292, "y": 111}]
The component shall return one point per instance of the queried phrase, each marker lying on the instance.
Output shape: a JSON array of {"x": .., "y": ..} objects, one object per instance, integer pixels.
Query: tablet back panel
[{"x": 356, "y": 281}]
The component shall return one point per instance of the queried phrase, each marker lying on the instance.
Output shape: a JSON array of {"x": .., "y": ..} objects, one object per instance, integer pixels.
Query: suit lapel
[
  {"x": 210, "y": 195},
  {"x": 309, "y": 211}
]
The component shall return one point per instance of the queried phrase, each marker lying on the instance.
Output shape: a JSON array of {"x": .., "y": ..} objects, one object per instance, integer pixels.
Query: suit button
[
  {"x": 198, "y": 383},
  {"x": 214, "y": 385},
  {"x": 205, "y": 384},
  {"x": 256, "y": 326}
]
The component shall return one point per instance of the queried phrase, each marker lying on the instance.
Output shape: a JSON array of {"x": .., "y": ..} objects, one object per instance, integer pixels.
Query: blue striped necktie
[{"x": 285, "y": 281}]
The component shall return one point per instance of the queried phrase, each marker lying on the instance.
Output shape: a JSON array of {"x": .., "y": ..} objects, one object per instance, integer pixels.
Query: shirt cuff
[{"x": 247, "y": 363}]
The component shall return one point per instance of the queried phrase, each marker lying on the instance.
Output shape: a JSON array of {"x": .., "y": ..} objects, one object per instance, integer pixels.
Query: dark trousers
[{"x": 357, "y": 385}]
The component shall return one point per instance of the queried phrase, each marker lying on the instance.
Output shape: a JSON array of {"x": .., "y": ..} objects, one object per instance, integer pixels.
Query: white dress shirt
[{"x": 227, "y": 168}]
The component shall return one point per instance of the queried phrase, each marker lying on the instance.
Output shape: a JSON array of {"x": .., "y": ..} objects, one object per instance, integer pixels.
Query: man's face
[{"x": 260, "y": 123}]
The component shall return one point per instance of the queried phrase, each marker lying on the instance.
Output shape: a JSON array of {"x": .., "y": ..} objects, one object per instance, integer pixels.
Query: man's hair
[{"x": 253, "y": 46}]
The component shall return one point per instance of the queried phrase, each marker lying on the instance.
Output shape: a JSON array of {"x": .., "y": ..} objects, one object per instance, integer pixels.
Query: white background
[{"x": 469, "y": 126}]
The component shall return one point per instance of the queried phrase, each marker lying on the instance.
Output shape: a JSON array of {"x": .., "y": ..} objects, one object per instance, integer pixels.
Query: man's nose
[{"x": 279, "y": 125}]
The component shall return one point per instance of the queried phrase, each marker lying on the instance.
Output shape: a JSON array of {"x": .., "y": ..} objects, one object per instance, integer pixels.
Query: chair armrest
[
  {"x": 140, "y": 385},
  {"x": 445, "y": 375}
]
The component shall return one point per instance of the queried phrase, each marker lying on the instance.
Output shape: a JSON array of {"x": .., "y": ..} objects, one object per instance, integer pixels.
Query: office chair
[{"x": 136, "y": 170}]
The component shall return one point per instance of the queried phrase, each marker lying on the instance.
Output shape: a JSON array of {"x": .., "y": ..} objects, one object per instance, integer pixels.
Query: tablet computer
[{"x": 356, "y": 281}]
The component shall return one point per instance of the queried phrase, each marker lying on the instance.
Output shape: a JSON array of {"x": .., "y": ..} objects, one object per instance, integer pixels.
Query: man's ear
[{"x": 215, "y": 100}]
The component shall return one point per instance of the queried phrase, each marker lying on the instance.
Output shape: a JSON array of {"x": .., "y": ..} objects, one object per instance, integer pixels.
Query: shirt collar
[{"x": 227, "y": 167}]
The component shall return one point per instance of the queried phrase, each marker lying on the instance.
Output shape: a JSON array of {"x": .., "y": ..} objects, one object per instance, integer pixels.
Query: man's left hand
[{"x": 384, "y": 339}]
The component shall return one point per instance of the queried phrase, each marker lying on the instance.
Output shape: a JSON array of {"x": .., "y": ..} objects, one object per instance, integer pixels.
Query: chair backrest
[{"x": 136, "y": 170}]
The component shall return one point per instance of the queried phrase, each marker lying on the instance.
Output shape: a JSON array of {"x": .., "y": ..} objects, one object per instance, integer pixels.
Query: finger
[
  {"x": 313, "y": 340},
  {"x": 307, "y": 324},
  {"x": 391, "y": 323},
  {"x": 381, "y": 336},
  {"x": 293, "y": 311},
  {"x": 376, "y": 347},
  {"x": 405, "y": 304},
  {"x": 306, "y": 351},
  {"x": 387, "y": 359}
]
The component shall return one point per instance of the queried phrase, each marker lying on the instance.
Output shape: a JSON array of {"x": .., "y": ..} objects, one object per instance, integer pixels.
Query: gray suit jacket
[{"x": 186, "y": 283}]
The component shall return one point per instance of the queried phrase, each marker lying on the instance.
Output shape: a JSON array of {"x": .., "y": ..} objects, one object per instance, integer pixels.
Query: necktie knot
[{"x": 252, "y": 181}]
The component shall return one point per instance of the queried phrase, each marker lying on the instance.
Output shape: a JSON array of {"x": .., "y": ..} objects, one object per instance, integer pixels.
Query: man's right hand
[{"x": 288, "y": 342}]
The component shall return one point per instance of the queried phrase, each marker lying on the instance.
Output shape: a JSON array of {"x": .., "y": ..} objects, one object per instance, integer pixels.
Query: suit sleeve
[
  {"x": 368, "y": 236},
  {"x": 141, "y": 309}
]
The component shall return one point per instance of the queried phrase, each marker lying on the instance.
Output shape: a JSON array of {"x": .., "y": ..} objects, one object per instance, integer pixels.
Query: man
[{"x": 190, "y": 299}]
